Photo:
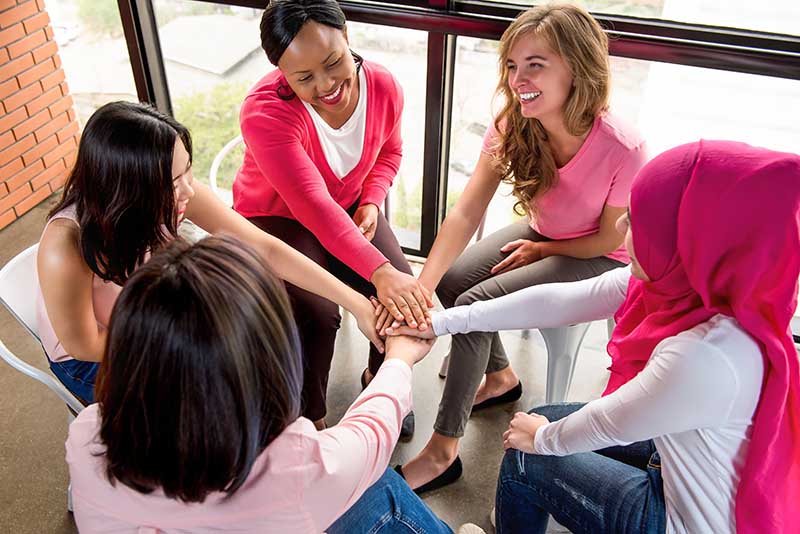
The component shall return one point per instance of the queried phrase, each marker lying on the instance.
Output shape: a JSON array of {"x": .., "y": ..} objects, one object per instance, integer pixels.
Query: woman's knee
[
  {"x": 554, "y": 412},
  {"x": 315, "y": 312},
  {"x": 478, "y": 293}
]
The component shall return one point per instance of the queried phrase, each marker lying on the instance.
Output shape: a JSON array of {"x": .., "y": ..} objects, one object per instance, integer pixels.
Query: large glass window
[
  {"x": 93, "y": 53},
  {"x": 777, "y": 16},
  {"x": 670, "y": 104},
  {"x": 209, "y": 78},
  {"x": 403, "y": 52}
]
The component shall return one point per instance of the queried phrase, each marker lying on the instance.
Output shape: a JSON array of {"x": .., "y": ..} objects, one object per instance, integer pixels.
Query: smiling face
[
  {"x": 538, "y": 77},
  {"x": 320, "y": 69},
  {"x": 182, "y": 178},
  {"x": 624, "y": 227}
]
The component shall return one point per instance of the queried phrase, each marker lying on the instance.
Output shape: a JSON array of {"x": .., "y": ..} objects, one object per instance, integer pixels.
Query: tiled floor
[{"x": 33, "y": 475}]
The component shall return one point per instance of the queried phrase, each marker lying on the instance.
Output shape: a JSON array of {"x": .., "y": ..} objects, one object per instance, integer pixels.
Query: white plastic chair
[
  {"x": 18, "y": 286},
  {"x": 562, "y": 345},
  {"x": 225, "y": 195}
]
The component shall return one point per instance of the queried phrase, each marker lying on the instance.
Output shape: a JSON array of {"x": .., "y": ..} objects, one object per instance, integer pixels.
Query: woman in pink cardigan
[
  {"x": 322, "y": 138},
  {"x": 197, "y": 425}
]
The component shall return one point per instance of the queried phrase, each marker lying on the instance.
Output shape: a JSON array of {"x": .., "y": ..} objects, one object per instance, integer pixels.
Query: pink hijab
[{"x": 716, "y": 227}]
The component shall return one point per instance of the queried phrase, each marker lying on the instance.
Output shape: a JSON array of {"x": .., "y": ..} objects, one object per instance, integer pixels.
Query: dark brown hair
[
  {"x": 202, "y": 370},
  {"x": 121, "y": 186}
]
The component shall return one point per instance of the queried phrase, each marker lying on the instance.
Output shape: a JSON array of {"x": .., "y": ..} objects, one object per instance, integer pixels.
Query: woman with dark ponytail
[
  {"x": 322, "y": 147},
  {"x": 198, "y": 426}
]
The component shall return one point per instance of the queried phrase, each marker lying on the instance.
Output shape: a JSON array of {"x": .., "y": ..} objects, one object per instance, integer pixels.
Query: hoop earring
[
  {"x": 358, "y": 60},
  {"x": 284, "y": 91}
]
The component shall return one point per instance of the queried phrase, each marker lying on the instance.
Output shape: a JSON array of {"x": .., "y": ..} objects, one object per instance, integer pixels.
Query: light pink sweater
[{"x": 301, "y": 483}]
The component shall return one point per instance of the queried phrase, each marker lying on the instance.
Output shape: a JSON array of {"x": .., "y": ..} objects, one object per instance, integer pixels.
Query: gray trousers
[{"x": 469, "y": 280}]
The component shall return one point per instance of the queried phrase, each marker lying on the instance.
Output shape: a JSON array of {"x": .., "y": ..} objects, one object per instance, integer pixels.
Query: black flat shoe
[
  {"x": 450, "y": 475},
  {"x": 407, "y": 428},
  {"x": 509, "y": 396}
]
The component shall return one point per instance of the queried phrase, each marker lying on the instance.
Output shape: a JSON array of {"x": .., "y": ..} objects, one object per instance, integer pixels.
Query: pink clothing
[
  {"x": 600, "y": 173},
  {"x": 301, "y": 483},
  {"x": 285, "y": 172},
  {"x": 703, "y": 259},
  {"x": 104, "y": 295}
]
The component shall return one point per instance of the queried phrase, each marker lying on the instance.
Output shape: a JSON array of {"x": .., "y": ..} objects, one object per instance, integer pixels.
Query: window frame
[{"x": 695, "y": 45}]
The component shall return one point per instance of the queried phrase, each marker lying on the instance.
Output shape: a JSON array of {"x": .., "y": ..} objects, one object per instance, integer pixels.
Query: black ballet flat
[
  {"x": 408, "y": 426},
  {"x": 511, "y": 395},
  {"x": 450, "y": 475}
]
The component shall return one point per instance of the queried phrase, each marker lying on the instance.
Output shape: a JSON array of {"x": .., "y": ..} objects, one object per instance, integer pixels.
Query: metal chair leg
[
  {"x": 443, "y": 368},
  {"x": 562, "y": 351}
]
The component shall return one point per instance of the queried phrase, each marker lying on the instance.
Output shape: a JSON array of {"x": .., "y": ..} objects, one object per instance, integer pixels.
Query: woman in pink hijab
[{"x": 699, "y": 428}]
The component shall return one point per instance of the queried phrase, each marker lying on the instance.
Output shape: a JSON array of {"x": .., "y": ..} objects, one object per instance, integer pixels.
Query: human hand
[
  {"x": 402, "y": 295},
  {"x": 396, "y": 328},
  {"x": 366, "y": 218},
  {"x": 363, "y": 312},
  {"x": 524, "y": 252},
  {"x": 382, "y": 316},
  {"x": 522, "y": 431},
  {"x": 409, "y": 349}
]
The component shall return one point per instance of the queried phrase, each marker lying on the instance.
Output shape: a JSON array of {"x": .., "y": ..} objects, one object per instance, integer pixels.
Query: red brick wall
[{"x": 38, "y": 130}]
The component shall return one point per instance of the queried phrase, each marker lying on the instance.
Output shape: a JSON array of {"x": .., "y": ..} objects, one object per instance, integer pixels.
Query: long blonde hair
[{"x": 524, "y": 156}]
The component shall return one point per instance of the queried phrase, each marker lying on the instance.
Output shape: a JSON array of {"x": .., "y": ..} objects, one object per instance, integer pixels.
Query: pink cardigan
[
  {"x": 301, "y": 483},
  {"x": 285, "y": 172}
]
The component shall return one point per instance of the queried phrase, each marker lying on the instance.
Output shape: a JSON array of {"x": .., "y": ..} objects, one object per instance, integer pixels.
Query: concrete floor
[{"x": 33, "y": 474}]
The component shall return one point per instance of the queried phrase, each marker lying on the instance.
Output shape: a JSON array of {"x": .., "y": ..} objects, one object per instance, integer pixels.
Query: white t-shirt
[
  {"x": 343, "y": 146},
  {"x": 695, "y": 398}
]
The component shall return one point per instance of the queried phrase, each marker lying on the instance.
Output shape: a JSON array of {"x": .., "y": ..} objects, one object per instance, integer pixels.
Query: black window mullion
[
  {"x": 438, "y": 104},
  {"x": 144, "y": 48}
]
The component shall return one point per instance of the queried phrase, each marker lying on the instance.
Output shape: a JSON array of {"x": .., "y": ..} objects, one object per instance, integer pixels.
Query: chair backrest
[
  {"x": 224, "y": 195},
  {"x": 19, "y": 285}
]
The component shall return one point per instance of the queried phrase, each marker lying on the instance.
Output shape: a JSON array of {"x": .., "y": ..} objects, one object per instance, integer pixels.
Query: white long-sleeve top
[{"x": 695, "y": 398}]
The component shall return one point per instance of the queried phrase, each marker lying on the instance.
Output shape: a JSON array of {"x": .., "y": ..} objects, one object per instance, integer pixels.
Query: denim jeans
[
  {"x": 389, "y": 506},
  {"x": 617, "y": 490},
  {"x": 77, "y": 376}
]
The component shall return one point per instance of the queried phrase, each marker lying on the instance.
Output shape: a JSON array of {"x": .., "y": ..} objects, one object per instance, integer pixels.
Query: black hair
[
  {"x": 122, "y": 186},
  {"x": 202, "y": 370},
  {"x": 283, "y": 19}
]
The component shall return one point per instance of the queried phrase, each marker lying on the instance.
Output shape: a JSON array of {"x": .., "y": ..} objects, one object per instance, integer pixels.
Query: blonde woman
[{"x": 571, "y": 164}]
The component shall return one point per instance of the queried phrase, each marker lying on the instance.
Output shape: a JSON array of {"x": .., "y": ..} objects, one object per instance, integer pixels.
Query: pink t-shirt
[
  {"x": 300, "y": 484},
  {"x": 104, "y": 295},
  {"x": 600, "y": 173}
]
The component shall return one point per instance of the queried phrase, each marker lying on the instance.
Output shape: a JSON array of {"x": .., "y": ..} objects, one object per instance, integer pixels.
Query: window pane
[
  {"x": 404, "y": 53},
  {"x": 209, "y": 78},
  {"x": 93, "y": 53},
  {"x": 473, "y": 90},
  {"x": 778, "y": 16},
  {"x": 670, "y": 104}
]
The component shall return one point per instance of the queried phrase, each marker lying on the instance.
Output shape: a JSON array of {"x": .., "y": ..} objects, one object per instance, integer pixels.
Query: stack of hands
[{"x": 411, "y": 340}]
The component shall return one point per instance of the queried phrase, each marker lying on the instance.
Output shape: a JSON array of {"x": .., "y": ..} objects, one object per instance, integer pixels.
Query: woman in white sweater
[{"x": 699, "y": 428}]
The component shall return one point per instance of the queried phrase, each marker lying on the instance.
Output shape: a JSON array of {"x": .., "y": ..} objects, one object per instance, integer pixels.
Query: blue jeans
[
  {"x": 617, "y": 490},
  {"x": 77, "y": 376},
  {"x": 389, "y": 506}
]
